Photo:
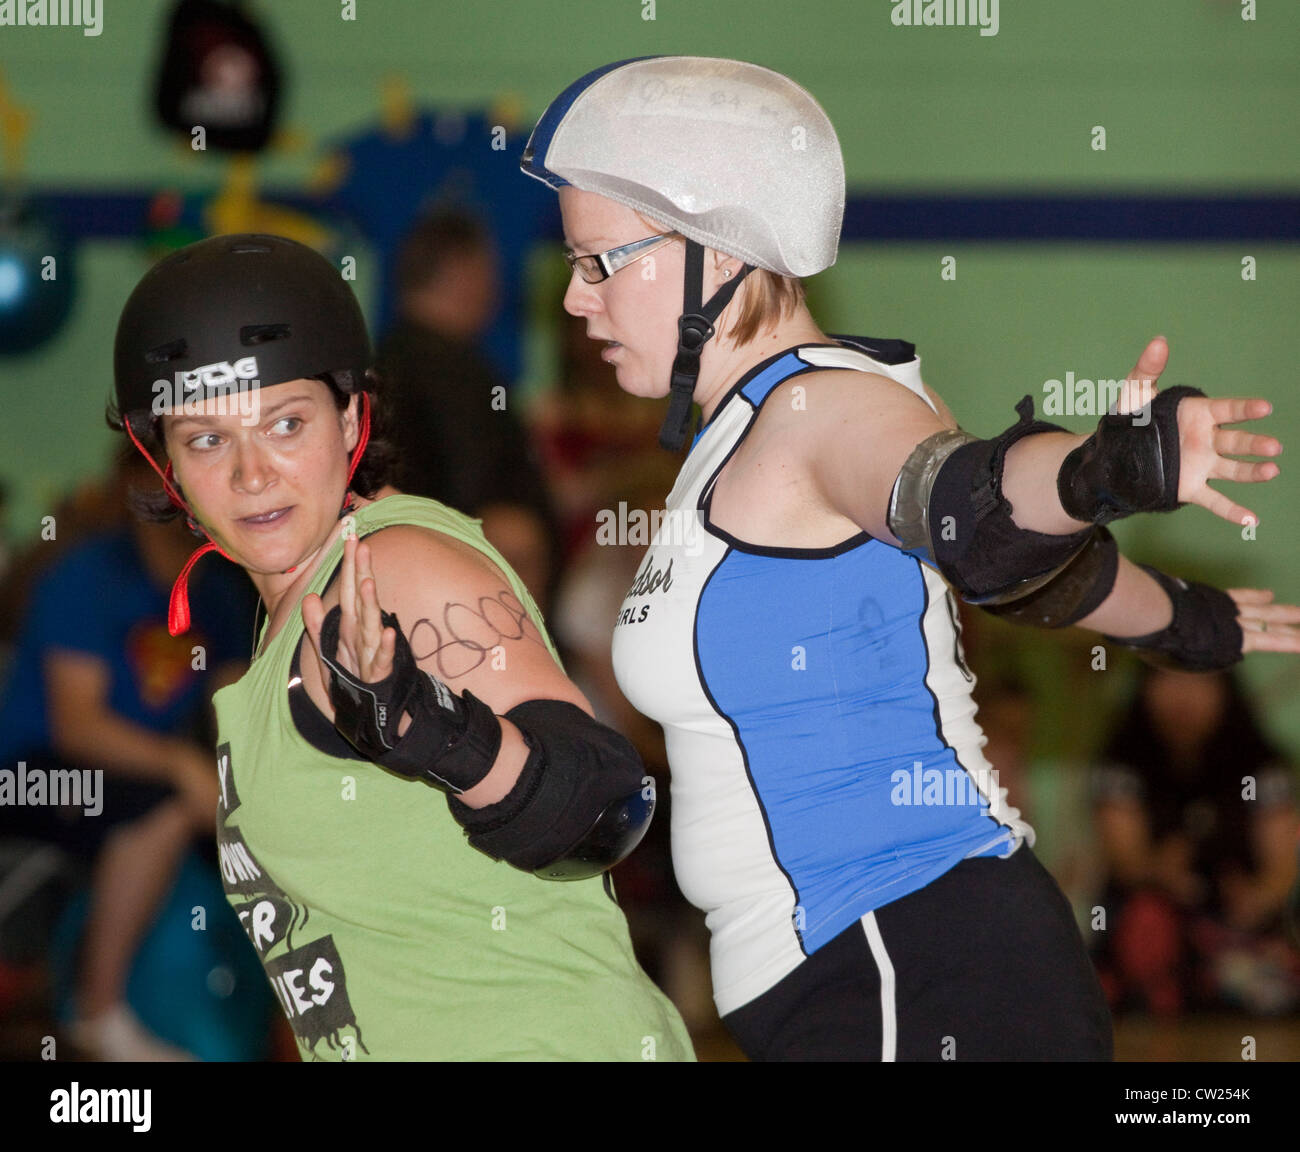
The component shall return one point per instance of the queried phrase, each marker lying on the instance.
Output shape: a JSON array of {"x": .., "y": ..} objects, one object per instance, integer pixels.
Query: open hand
[
  {"x": 1265, "y": 626},
  {"x": 1204, "y": 447}
]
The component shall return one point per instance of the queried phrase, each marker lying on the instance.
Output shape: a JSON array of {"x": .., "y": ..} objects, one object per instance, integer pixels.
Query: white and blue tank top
[{"x": 816, "y": 707}]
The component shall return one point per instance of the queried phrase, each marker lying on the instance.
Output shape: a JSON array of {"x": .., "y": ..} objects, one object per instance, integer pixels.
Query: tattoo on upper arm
[{"x": 469, "y": 633}]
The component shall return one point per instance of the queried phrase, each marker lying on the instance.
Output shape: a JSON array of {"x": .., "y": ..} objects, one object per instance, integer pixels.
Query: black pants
[{"x": 984, "y": 963}]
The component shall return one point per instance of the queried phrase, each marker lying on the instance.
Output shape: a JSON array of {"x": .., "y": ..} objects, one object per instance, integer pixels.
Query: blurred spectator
[
  {"x": 458, "y": 436},
  {"x": 596, "y": 440},
  {"x": 587, "y": 604},
  {"x": 98, "y": 683},
  {"x": 668, "y": 934},
  {"x": 1197, "y": 821},
  {"x": 95, "y": 505},
  {"x": 1006, "y": 712},
  {"x": 6, "y": 553},
  {"x": 598, "y": 444}
]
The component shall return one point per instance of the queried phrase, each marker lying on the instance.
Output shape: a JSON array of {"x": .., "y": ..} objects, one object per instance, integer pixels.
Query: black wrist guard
[
  {"x": 581, "y": 804},
  {"x": 1125, "y": 467},
  {"x": 1204, "y": 635},
  {"x": 451, "y": 743}
]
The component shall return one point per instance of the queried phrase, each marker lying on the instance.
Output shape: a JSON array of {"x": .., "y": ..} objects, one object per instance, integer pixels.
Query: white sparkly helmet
[{"x": 733, "y": 156}]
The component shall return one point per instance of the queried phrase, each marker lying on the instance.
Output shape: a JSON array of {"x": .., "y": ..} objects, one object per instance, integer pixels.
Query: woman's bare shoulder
[
  {"x": 822, "y": 401},
  {"x": 405, "y": 551}
]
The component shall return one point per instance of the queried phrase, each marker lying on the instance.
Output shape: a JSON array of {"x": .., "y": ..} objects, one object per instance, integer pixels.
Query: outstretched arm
[
  {"x": 1203, "y": 452},
  {"x": 1015, "y": 523},
  {"x": 1137, "y": 606}
]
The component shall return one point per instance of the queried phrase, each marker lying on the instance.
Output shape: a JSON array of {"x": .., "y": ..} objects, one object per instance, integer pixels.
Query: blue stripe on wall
[
  {"x": 1132, "y": 219},
  {"x": 899, "y": 218}
]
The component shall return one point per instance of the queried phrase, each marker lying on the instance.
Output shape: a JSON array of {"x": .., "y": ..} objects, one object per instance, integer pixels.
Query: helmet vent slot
[
  {"x": 252, "y": 334},
  {"x": 164, "y": 353}
]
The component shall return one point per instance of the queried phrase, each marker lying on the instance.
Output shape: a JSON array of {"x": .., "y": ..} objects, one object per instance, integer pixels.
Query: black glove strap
[
  {"x": 1125, "y": 467},
  {"x": 1204, "y": 635},
  {"x": 451, "y": 743}
]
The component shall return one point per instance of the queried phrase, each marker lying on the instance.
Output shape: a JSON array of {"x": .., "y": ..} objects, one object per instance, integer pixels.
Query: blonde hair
[{"x": 767, "y": 298}]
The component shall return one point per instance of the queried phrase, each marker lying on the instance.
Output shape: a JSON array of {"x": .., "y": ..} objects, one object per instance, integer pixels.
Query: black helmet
[
  {"x": 227, "y": 315},
  {"x": 233, "y": 313}
]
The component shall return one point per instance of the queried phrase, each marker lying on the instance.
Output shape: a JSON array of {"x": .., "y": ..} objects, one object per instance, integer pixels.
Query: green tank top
[{"x": 383, "y": 933}]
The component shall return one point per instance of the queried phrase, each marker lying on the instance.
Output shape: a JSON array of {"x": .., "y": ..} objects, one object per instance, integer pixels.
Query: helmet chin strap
[
  {"x": 178, "y": 607},
  {"x": 695, "y": 329}
]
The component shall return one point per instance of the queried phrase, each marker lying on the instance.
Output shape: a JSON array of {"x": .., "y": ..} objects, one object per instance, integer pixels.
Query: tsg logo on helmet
[{"x": 233, "y": 386}]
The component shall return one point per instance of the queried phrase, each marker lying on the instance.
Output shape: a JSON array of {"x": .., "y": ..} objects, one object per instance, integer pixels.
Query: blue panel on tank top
[
  {"x": 805, "y": 656},
  {"x": 756, "y": 390}
]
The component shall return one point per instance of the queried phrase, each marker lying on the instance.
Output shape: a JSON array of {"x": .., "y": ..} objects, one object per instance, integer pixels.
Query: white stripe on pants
[{"x": 888, "y": 1019}]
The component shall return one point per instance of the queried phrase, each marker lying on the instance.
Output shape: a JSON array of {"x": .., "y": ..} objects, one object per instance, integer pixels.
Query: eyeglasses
[{"x": 602, "y": 265}]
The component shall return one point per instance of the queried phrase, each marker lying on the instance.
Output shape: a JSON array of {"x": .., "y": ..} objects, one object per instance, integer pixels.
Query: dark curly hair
[{"x": 377, "y": 468}]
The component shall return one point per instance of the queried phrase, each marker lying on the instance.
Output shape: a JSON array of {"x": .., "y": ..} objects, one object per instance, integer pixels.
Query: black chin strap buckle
[{"x": 693, "y": 332}]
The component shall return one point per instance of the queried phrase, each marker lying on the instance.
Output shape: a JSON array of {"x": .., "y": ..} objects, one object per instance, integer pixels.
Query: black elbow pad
[
  {"x": 979, "y": 548},
  {"x": 1076, "y": 591},
  {"x": 582, "y": 803}
]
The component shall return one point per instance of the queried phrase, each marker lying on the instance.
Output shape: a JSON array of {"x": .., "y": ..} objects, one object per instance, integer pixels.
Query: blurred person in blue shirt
[{"x": 98, "y": 686}]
